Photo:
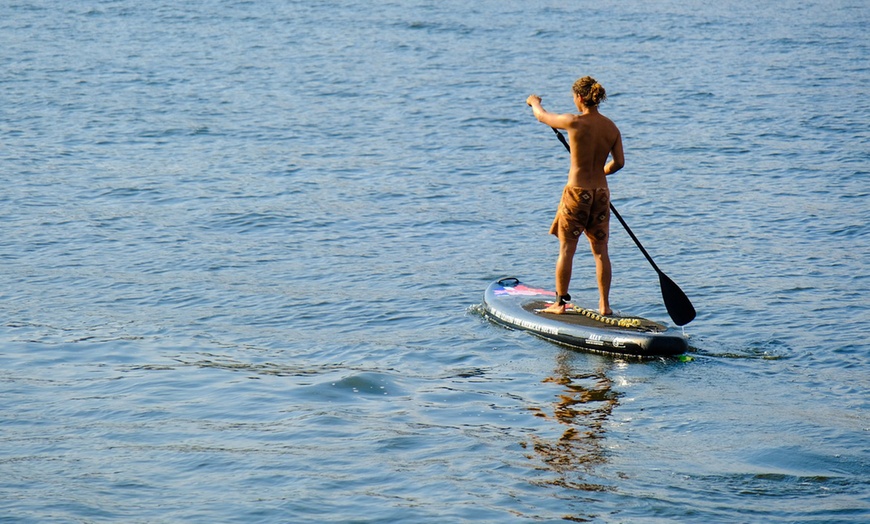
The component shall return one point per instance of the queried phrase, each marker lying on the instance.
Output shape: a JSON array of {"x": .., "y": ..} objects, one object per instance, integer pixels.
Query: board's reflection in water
[{"x": 585, "y": 403}]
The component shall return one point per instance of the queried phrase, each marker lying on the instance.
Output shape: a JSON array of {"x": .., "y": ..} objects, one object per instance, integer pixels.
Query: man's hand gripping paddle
[{"x": 677, "y": 303}]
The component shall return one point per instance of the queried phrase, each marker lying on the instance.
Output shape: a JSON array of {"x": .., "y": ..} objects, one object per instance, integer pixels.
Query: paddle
[{"x": 677, "y": 303}]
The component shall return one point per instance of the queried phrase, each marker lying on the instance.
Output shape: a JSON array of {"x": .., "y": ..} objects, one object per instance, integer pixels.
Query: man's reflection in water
[{"x": 586, "y": 401}]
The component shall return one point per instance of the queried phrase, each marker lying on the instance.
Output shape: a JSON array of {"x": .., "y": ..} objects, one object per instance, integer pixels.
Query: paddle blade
[{"x": 679, "y": 306}]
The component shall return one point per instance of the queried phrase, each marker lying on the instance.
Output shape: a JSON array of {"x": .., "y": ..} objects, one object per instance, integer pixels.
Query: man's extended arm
[{"x": 551, "y": 119}]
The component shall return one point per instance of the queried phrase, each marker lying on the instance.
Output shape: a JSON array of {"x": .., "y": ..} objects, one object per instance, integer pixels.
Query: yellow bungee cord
[{"x": 621, "y": 322}]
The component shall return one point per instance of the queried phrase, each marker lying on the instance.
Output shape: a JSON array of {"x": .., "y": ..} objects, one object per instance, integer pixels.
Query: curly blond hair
[{"x": 592, "y": 92}]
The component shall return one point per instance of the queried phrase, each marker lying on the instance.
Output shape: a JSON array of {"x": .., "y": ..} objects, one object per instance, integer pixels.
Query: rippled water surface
[{"x": 244, "y": 246}]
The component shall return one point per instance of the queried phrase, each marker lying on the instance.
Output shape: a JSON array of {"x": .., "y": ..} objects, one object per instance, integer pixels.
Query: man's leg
[
  {"x": 604, "y": 274},
  {"x": 564, "y": 267}
]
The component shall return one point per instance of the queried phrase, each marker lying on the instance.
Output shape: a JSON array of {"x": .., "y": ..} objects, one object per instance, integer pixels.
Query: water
[{"x": 244, "y": 245}]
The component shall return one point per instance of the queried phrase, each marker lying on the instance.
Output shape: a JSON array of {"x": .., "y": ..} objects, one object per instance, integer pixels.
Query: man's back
[{"x": 593, "y": 137}]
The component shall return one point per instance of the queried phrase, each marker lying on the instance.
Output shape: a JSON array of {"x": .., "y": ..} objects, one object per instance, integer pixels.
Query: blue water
[{"x": 244, "y": 246}]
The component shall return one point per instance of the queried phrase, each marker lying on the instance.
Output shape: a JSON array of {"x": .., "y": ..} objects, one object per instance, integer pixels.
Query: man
[{"x": 585, "y": 204}]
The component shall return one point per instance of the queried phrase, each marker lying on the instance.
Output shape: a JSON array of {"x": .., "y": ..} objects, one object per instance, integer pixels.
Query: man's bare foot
[{"x": 556, "y": 308}]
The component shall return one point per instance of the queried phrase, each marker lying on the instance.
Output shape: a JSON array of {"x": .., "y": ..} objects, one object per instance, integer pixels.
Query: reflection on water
[{"x": 582, "y": 407}]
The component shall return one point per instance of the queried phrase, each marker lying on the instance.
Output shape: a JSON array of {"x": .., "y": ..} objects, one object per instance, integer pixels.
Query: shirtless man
[{"x": 585, "y": 204}]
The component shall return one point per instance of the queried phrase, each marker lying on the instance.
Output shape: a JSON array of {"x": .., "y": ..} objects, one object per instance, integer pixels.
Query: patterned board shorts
[{"x": 583, "y": 210}]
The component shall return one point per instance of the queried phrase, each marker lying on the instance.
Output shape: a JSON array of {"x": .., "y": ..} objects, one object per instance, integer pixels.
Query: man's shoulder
[
  {"x": 593, "y": 121},
  {"x": 605, "y": 123}
]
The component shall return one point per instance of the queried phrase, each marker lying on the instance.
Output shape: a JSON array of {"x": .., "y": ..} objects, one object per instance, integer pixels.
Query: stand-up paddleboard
[{"x": 509, "y": 302}]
